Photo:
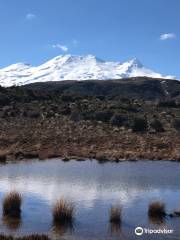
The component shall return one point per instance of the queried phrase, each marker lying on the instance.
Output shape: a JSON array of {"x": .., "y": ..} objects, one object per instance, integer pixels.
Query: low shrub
[
  {"x": 167, "y": 103},
  {"x": 139, "y": 124},
  {"x": 176, "y": 124},
  {"x": 75, "y": 116},
  {"x": 3, "y": 158},
  {"x": 34, "y": 114},
  {"x": 103, "y": 116},
  {"x": 118, "y": 120},
  {"x": 156, "y": 125}
]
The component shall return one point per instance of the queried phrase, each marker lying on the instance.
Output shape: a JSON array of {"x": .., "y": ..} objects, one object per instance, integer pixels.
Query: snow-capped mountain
[{"x": 68, "y": 67}]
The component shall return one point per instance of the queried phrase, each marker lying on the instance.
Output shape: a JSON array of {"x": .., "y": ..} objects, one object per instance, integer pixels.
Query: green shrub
[
  {"x": 75, "y": 116},
  {"x": 103, "y": 116},
  {"x": 139, "y": 124},
  {"x": 34, "y": 114},
  {"x": 66, "y": 98},
  {"x": 3, "y": 158},
  {"x": 156, "y": 125},
  {"x": 176, "y": 124},
  {"x": 167, "y": 103},
  {"x": 119, "y": 120}
]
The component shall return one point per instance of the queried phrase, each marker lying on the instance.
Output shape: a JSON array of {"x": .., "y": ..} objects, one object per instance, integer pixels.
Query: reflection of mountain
[{"x": 89, "y": 181}]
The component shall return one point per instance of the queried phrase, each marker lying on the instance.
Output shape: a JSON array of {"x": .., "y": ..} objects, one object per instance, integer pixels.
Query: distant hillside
[
  {"x": 135, "y": 88},
  {"x": 137, "y": 118}
]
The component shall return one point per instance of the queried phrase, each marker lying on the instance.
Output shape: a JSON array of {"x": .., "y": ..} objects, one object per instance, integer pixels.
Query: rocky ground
[{"x": 45, "y": 125}]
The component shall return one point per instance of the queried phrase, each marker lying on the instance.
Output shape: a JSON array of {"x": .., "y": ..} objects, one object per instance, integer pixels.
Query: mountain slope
[
  {"x": 68, "y": 67},
  {"x": 132, "y": 118}
]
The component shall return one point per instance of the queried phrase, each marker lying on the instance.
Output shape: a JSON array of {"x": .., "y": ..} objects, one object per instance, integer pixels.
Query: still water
[{"x": 93, "y": 188}]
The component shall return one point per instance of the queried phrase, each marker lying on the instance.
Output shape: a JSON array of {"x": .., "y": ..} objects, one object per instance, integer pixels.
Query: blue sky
[{"x": 37, "y": 30}]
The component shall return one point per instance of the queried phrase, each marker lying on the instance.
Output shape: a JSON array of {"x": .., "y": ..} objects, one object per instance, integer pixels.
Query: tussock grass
[
  {"x": 3, "y": 158},
  {"x": 12, "y": 205},
  {"x": 115, "y": 214},
  {"x": 177, "y": 213},
  {"x": 63, "y": 212},
  {"x": 156, "y": 209}
]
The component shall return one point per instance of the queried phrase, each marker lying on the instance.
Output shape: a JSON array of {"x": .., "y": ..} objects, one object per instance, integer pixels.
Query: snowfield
[{"x": 69, "y": 67}]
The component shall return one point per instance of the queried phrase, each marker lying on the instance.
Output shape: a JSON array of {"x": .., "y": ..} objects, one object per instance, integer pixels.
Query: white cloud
[
  {"x": 61, "y": 47},
  {"x": 30, "y": 16},
  {"x": 167, "y": 36}
]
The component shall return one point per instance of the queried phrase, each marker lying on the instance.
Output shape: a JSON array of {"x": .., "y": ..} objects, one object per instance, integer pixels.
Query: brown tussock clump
[
  {"x": 12, "y": 205},
  {"x": 115, "y": 214},
  {"x": 63, "y": 212},
  {"x": 156, "y": 209}
]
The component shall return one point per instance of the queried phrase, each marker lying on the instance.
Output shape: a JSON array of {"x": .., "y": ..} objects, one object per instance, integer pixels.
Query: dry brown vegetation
[
  {"x": 156, "y": 209},
  {"x": 12, "y": 205},
  {"x": 107, "y": 120},
  {"x": 115, "y": 214},
  {"x": 63, "y": 212}
]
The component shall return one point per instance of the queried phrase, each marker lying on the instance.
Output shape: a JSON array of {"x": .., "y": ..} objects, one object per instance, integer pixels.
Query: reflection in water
[
  {"x": 61, "y": 229},
  {"x": 157, "y": 220},
  {"x": 115, "y": 229},
  {"x": 92, "y": 188},
  {"x": 12, "y": 223}
]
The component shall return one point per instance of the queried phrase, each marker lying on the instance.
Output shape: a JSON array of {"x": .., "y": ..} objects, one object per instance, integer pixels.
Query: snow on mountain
[{"x": 69, "y": 67}]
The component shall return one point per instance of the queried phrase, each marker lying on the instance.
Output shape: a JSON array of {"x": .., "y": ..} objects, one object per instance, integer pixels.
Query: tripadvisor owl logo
[{"x": 139, "y": 231}]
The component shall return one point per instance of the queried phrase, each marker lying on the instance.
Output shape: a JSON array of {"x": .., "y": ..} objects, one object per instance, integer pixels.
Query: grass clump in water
[
  {"x": 12, "y": 205},
  {"x": 156, "y": 209},
  {"x": 115, "y": 214},
  {"x": 63, "y": 212}
]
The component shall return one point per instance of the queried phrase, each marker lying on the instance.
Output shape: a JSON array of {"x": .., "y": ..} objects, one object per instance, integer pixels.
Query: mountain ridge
[{"x": 74, "y": 67}]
